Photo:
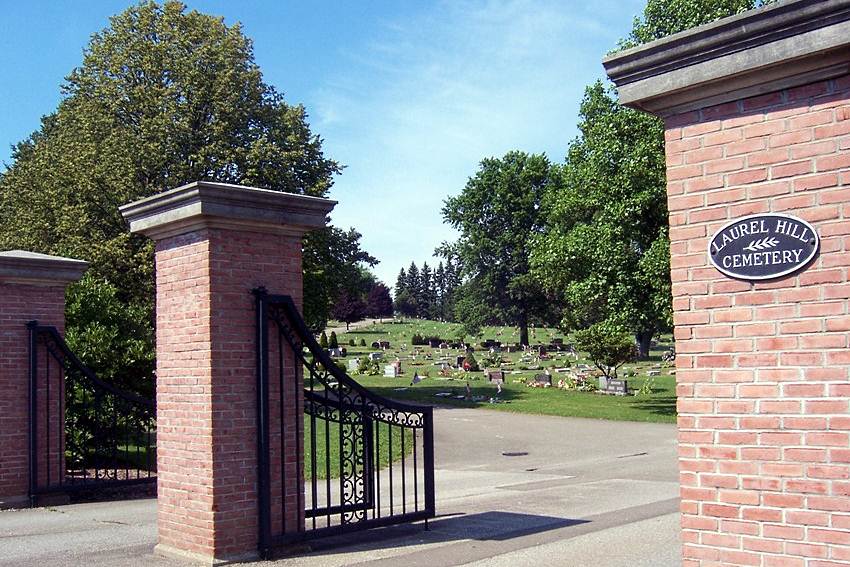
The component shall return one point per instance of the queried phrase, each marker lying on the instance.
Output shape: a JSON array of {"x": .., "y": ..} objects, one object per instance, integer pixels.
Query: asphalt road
[{"x": 588, "y": 493}]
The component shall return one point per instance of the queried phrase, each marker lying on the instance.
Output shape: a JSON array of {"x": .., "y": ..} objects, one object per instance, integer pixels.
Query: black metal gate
[
  {"x": 85, "y": 434},
  {"x": 368, "y": 461}
]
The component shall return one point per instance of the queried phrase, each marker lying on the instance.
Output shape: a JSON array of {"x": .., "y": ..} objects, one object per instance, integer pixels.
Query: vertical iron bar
[
  {"x": 114, "y": 440},
  {"x": 298, "y": 387},
  {"x": 33, "y": 433},
  {"x": 283, "y": 431},
  {"x": 341, "y": 463},
  {"x": 415, "y": 476},
  {"x": 47, "y": 414},
  {"x": 428, "y": 450},
  {"x": 126, "y": 448},
  {"x": 390, "y": 465},
  {"x": 263, "y": 472},
  {"x": 328, "y": 416},
  {"x": 61, "y": 434},
  {"x": 148, "y": 452},
  {"x": 378, "y": 468},
  {"x": 403, "y": 475},
  {"x": 314, "y": 480},
  {"x": 138, "y": 448}
]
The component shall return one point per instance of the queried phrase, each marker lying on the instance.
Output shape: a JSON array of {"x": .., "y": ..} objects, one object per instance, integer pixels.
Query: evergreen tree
[
  {"x": 426, "y": 292},
  {"x": 400, "y": 283},
  {"x": 413, "y": 288},
  {"x": 440, "y": 291}
]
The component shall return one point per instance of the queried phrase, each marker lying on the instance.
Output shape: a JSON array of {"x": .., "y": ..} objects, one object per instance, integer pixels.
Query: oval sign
[{"x": 761, "y": 247}]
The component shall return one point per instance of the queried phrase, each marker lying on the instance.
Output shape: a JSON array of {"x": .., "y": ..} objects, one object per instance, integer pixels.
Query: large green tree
[
  {"x": 497, "y": 213},
  {"x": 164, "y": 96},
  {"x": 605, "y": 248}
]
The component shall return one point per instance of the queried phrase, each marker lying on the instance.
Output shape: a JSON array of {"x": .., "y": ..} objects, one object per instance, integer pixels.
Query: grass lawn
[
  {"x": 657, "y": 406},
  {"x": 330, "y": 449}
]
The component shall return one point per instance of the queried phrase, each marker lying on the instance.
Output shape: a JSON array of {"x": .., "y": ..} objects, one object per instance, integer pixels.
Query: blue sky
[{"x": 410, "y": 96}]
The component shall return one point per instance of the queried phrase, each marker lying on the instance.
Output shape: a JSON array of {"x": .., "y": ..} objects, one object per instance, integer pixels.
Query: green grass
[
  {"x": 329, "y": 452},
  {"x": 657, "y": 406}
]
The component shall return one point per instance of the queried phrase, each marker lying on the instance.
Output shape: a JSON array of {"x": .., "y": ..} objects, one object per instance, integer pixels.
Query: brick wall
[
  {"x": 206, "y": 386},
  {"x": 18, "y": 305},
  {"x": 762, "y": 368}
]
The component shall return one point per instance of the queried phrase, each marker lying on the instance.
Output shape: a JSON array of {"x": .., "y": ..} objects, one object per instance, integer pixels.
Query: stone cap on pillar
[
  {"x": 205, "y": 204},
  {"x": 32, "y": 268},
  {"x": 779, "y": 46}
]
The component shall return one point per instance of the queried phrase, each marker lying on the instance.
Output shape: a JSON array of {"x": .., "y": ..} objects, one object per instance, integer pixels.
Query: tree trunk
[
  {"x": 523, "y": 330},
  {"x": 644, "y": 338},
  {"x": 347, "y": 325}
]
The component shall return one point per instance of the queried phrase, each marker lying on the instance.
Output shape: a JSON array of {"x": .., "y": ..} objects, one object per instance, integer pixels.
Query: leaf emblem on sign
[{"x": 761, "y": 244}]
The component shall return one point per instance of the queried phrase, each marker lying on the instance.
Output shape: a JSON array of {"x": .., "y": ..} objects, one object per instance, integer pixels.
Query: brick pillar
[
  {"x": 214, "y": 244},
  {"x": 758, "y": 121},
  {"x": 32, "y": 287}
]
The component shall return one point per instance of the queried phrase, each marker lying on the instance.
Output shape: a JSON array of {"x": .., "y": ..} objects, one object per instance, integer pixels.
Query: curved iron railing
[
  {"x": 368, "y": 460},
  {"x": 84, "y": 433}
]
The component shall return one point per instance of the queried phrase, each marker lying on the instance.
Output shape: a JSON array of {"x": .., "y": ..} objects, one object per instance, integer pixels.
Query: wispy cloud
[{"x": 422, "y": 102}]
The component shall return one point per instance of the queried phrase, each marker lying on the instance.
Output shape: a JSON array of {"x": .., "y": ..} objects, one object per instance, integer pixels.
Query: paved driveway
[{"x": 588, "y": 493}]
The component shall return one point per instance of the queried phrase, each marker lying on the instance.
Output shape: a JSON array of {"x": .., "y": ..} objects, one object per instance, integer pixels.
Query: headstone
[
  {"x": 558, "y": 341},
  {"x": 433, "y": 343},
  {"x": 384, "y": 344},
  {"x": 653, "y": 373},
  {"x": 353, "y": 364},
  {"x": 335, "y": 352},
  {"x": 459, "y": 361},
  {"x": 444, "y": 345},
  {"x": 390, "y": 371},
  {"x": 375, "y": 344},
  {"x": 543, "y": 379},
  {"x": 603, "y": 383},
  {"x": 617, "y": 387},
  {"x": 376, "y": 356},
  {"x": 496, "y": 376}
]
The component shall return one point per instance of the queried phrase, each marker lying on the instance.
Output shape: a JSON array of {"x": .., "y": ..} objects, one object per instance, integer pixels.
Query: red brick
[
  {"x": 793, "y": 169},
  {"x": 818, "y": 181}
]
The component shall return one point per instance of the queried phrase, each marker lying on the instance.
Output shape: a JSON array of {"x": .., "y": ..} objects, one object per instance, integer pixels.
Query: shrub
[
  {"x": 333, "y": 342},
  {"x": 470, "y": 364},
  {"x": 362, "y": 342},
  {"x": 492, "y": 360},
  {"x": 369, "y": 367},
  {"x": 417, "y": 340},
  {"x": 323, "y": 340},
  {"x": 351, "y": 342},
  {"x": 608, "y": 345}
]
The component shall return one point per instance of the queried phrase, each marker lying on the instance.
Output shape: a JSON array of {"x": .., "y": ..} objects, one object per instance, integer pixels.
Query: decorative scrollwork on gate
[{"x": 358, "y": 446}]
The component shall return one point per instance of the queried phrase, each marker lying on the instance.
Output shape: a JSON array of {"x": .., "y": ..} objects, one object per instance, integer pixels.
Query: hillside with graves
[{"x": 433, "y": 362}]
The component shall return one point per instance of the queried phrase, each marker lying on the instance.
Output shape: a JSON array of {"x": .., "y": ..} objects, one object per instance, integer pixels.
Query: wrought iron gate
[
  {"x": 368, "y": 461},
  {"x": 85, "y": 434}
]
